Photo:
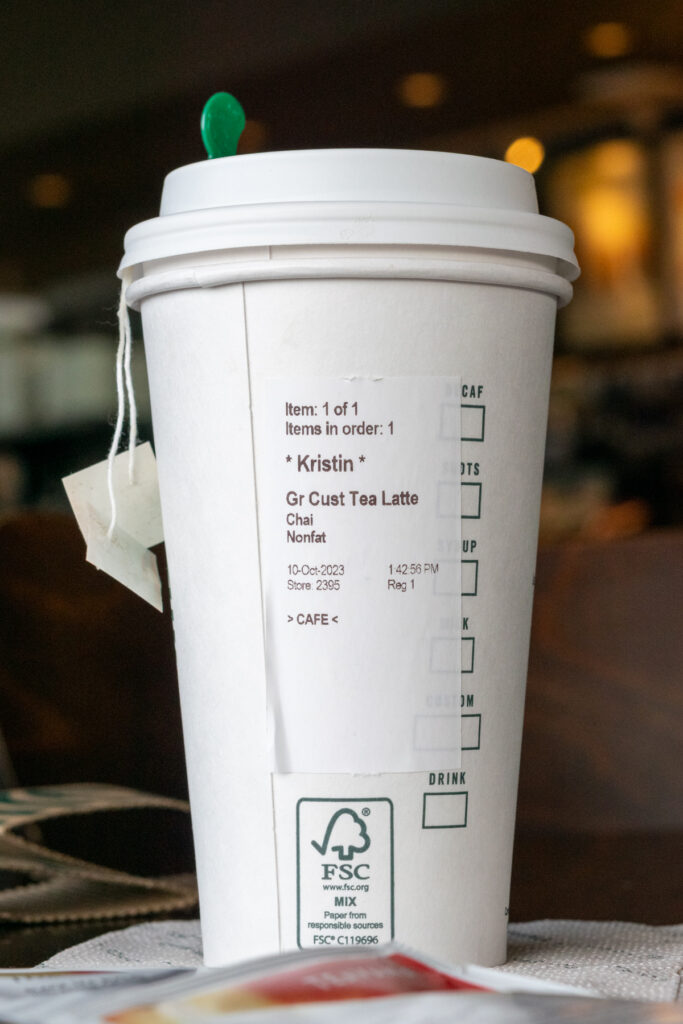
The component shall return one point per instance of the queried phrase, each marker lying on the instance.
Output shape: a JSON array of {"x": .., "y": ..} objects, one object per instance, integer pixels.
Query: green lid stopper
[{"x": 222, "y": 124}]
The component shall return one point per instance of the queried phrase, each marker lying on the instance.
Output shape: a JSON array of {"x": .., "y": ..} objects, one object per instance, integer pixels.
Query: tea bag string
[{"x": 124, "y": 391}]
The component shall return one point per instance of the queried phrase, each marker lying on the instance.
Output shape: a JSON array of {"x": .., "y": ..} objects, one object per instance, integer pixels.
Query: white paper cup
[{"x": 352, "y": 672}]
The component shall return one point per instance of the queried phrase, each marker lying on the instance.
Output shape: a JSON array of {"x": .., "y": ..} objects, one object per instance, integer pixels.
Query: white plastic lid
[{"x": 349, "y": 196}]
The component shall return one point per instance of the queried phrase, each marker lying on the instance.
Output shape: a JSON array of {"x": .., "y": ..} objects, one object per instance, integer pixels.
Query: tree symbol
[{"x": 346, "y": 834}]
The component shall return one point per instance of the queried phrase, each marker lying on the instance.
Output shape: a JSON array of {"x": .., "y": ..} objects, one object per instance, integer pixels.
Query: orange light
[
  {"x": 422, "y": 89},
  {"x": 253, "y": 137},
  {"x": 609, "y": 39},
  {"x": 49, "y": 191},
  {"x": 526, "y": 152},
  {"x": 617, "y": 161}
]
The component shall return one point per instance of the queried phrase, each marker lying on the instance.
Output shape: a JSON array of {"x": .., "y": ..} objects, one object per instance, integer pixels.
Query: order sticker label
[
  {"x": 345, "y": 872},
  {"x": 359, "y": 510}
]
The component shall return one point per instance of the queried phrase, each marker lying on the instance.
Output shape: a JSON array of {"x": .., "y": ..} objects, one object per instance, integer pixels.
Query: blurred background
[{"x": 100, "y": 100}]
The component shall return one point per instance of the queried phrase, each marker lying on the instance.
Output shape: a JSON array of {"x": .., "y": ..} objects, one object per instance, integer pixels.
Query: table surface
[{"x": 625, "y": 876}]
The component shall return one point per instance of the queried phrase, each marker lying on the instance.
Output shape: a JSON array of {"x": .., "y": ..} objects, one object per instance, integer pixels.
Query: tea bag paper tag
[{"x": 124, "y": 555}]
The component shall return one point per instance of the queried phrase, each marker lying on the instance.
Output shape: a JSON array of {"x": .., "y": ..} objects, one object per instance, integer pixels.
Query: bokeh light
[
  {"x": 526, "y": 152},
  {"x": 609, "y": 39},
  {"x": 253, "y": 137},
  {"x": 422, "y": 89},
  {"x": 49, "y": 191}
]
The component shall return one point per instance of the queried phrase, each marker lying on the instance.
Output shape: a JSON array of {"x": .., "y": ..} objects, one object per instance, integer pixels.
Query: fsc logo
[{"x": 345, "y": 872}]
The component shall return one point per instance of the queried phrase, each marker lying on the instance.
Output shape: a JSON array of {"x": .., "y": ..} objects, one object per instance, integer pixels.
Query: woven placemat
[{"x": 50, "y": 886}]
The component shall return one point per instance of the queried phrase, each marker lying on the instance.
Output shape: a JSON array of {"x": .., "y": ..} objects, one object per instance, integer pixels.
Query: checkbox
[
  {"x": 472, "y": 422},
  {"x": 470, "y": 732},
  {"x": 469, "y": 576},
  {"x": 467, "y": 655},
  {"x": 470, "y": 501},
  {"x": 443, "y": 654},
  {"x": 462, "y": 421},
  {"x": 455, "y": 576},
  {"x": 444, "y": 810}
]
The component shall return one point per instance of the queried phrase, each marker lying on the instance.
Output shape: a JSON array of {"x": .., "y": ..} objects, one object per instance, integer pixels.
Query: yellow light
[
  {"x": 49, "y": 191},
  {"x": 614, "y": 231},
  {"x": 526, "y": 152},
  {"x": 602, "y": 193},
  {"x": 422, "y": 89},
  {"x": 611, "y": 210},
  {"x": 609, "y": 39}
]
